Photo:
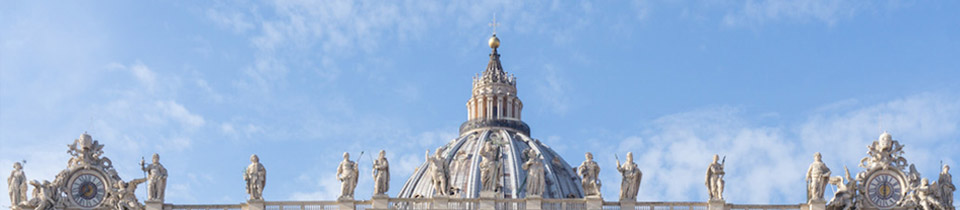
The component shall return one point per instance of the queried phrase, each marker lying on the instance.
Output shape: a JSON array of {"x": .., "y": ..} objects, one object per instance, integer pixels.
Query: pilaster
[
  {"x": 628, "y": 204},
  {"x": 381, "y": 201},
  {"x": 816, "y": 205},
  {"x": 440, "y": 202},
  {"x": 534, "y": 202},
  {"x": 488, "y": 200},
  {"x": 153, "y": 205},
  {"x": 717, "y": 205},
  {"x": 254, "y": 205},
  {"x": 346, "y": 204},
  {"x": 595, "y": 202}
]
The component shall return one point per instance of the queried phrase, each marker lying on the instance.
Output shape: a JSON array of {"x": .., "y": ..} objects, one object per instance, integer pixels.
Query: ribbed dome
[
  {"x": 463, "y": 159},
  {"x": 493, "y": 115}
]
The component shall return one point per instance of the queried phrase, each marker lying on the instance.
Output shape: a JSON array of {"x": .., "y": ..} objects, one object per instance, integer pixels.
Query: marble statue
[
  {"x": 630, "y": 184},
  {"x": 489, "y": 167},
  {"x": 535, "y": 180},
  {"x": 589, "y": 172},
  {"x": 843, "y": 198},
  {"x": 256, "y": 178},
  {"x": 125, "y": 194},
  {"x": 946, "y": 187},
  {"x": 439, "y": 172},
  {"x": 347, "y": 173},
  {"x": 381, "y": 174},
  {"x": 817, "y": 177},
  {"x": 17, "y": 185},
  {"x": 714, "y": 179},
  {"x": 925, "y": 192},
  {"x": 46, "y": 196},
  {"x": 157, "y": 175}
]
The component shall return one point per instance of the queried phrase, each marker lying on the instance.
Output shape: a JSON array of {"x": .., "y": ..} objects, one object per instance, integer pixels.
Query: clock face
[
  {"x": 884, "y": 190},
  {"x": 87, "y": 190}
]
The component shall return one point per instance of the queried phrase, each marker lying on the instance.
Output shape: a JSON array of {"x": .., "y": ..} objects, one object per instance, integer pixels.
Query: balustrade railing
[{"x": 473, "y": 203}]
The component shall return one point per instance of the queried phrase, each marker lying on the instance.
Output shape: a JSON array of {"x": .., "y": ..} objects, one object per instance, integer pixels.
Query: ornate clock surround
[
  {"x": 884, "y": 188},
  {"x": 87, "y": 188}
]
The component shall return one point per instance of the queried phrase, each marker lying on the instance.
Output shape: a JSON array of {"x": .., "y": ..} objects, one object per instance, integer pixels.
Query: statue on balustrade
[
  {"x": 630, "y": 184},
  {"x": 17, "y": 185},
  {"x": 46, "y": 195},
  {"x": 381, "y": 174},
  {"x": 347, "y": 173},
  {"x": 489, "y": 167},
  {"x": 714, "y": 179},
  {"x": 157, "y": 175},
  {"x": 256, "y": 178},
  {"x": 535, "y": 180},
  {"x": 589, "y": 172},
  {"x": 946, "y": 187},
  {"x": 125, "y": 196},
  {"x": 439, "y": 172},
  {"x": 843, "y": 198},
  {"x": 926, "y": 193},
  {"x": 817, "y": 177}
]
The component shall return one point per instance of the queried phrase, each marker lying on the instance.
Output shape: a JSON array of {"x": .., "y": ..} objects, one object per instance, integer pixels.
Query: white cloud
[
  {"x": 179, "y": 113},
  {"x": 143, "y": 73},
  {"x": 553, "y": 89},
  {"x": 758, "y": 12},
  {"x": 237, "y": 21},
  {"x": 765, "y": 164}
]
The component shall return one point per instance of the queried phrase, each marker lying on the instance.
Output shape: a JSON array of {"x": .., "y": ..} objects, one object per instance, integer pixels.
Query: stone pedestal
[
  {"x": 254, "y": 205},
  {"x": 488, "y": 200},
  {"x": 440, "y": 202},
  {"x": 534, "y": 202},
  {"x": 717, "y": 205},
  {"x": 381, "y": 201},
  {"x": 816, "y": 205},
  {"x": 628, "y": 204},
  {"x": 594, "y": 202},
  {"x": 346, "y": 204},
  {"x": 153, "y": 205}
]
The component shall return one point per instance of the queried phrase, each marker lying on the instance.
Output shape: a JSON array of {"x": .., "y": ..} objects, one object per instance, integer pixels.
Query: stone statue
[
  {"x": 714, "y": 179},
  {"x": 946, "y": 187},
  {"x": 381, "y": 174},
  {"x": 489, "y": 167},
  {"x": 124, "y": 194},
  {"x": 817, "y": 177},
  {"x": 256, "y": 178},
  {"x": 17, "y": 185},
  {"x": 843, "y": 199},
  {"x": 535, "y": 180},
  {"x": 157, "y": 175},
  {"x": 347, "y": 173},
  {"x": 438, "y": 172},
  {"x": 927, "y": 198},
  {"x": 46, "y": 195},
  {"x": 589, "y": 172},
  {"x": 630, "y": 184}
]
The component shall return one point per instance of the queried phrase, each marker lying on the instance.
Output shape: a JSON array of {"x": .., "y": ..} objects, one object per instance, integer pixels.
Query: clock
[
  {"x": 884, "y": 190},
  {"x": 87, "y": 189}
]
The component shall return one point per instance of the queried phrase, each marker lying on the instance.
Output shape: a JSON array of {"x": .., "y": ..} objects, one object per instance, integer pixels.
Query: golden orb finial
[{"x": 494, "y": 42}]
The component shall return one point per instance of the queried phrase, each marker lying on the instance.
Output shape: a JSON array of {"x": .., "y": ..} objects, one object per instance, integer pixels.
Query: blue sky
[{"x": 206, "y": 84}]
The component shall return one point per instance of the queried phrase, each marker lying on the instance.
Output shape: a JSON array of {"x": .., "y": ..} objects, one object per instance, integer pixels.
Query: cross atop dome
[{"x": 494, "y": 24}]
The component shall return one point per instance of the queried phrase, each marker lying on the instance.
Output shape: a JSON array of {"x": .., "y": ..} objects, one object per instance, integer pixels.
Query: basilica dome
[{"x": 493, "y": 116}]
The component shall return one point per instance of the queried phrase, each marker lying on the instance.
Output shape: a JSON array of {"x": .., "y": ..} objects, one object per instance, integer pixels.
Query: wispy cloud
[
  {"x": 176, "y": 111},
  {"x": 553, "y": 89},
  {"x": 760, "y": 12},
  {"x": 765, "y": 164}
]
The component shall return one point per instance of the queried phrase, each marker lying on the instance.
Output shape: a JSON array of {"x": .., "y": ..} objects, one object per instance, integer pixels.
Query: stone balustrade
[{"x": 476, "y": 203}]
